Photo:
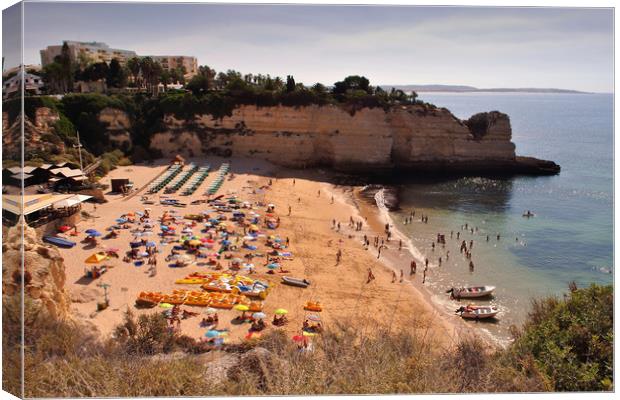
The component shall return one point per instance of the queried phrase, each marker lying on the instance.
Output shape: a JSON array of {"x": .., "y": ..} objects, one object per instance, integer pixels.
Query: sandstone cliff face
[
  {"x": 117, "y": 124},
  {"x": 44, "y": 272},
  {"x": 36, "y": 139},
  {"x": 330, "y": 136}
]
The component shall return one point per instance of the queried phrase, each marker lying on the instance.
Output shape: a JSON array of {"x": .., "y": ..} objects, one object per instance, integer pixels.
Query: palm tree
[
  {"x": 134, "y": 67},
  {"x": 146, "y": 66}
]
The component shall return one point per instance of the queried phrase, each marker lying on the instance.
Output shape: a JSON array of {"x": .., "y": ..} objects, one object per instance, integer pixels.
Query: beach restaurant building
[{"x": 42, "y": 209}]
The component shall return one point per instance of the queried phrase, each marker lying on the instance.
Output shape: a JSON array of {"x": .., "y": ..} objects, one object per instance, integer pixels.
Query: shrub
[{"x": 571, "y": 340}]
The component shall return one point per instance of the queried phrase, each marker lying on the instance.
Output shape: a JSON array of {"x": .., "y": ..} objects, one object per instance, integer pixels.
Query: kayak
[
  {"x": 58, "y": 241},
  {"x": 471, "y": 292},
  {"x": 295, "y": 281}
]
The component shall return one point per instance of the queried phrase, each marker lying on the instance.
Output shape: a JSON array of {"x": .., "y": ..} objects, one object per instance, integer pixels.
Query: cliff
[
  {"x": 370, "y": 140},
  {"x": 44, "y": 272}
]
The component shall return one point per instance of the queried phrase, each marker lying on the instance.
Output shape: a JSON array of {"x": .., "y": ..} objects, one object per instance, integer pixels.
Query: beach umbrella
[
  {"x": 150, "y": 244},
  {"x": 163, "y": 227},
  {"x": 112, "y": 249},
  {"x": 144, "y": 254},
  {"x": 94, "y": 233},
  {"x": 120, "y": 220},
  {"x": 135, "y": 244},
  {"x": 194, "y": 242},
  {"x": 95, "y": 258},
  {"x": 64, "y": 228},
  {"x": 166, "y": 305},
  {"x": 310, "y": 334},
  {"x": 211, "y": 310},
  {"x": 280, "y": 311},
  {"x": 90, "y": 230},
  {"x": 147, "y": 233},
  {"x": 314, "y": 317},
  {"x": 212, "y": 334},
  {"x": 253, "y": 227},
  {"x": 298, "y": 338},
  {"x": 272, "y": 266},
  {"x": 259, "y": 315},
  {"x": 241, "y": 307}
]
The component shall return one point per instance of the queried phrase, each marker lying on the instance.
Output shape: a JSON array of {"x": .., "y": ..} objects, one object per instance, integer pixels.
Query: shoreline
[{"x": 391, "y": 258}]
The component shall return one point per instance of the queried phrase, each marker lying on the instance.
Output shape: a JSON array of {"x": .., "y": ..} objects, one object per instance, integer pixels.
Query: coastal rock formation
[
  {"x": 117, "y": 126},
  {"x": 44, "y": 272},
  {"x": 37, "y": 137},
  {"x": 370, "y": 140}
]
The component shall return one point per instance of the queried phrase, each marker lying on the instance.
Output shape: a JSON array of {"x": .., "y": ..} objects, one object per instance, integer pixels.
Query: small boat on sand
[
  {"x": 471, "y": 292},
  {"x": 58, "y": 241},
  {"x": 295, "y": 281},
  {"x": 477, "y": 312}
]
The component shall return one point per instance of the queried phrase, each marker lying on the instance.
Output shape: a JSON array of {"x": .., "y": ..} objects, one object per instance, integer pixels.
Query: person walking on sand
[
  {"x": 338, "y": 227},
  {"x": 458, "y": 234},
  {"x": 433, "y": 246},
  {"x": 338, "y": 256},
  {"x": 440, "y": 261},
  {"x": 471, "y": 244},
  {"x": 289, "y": 210},
  {"x": 471, "y": 266},
  {"x": 447, "y": 255},
  {"x": 426, "y": 263},
  {"x": 332, "y": 199},
  {"x": 319, "y": 193},
  {"x": 400, "y": 244},
  {"x": 393, "y": 276},
  {"x": 412, "y": 267},
  {"x": 293, "y": 181},
  {"x": 424, "y": 277},
  {"x": 487, "y": 238},
  {"x": 379, "y": 252},
  {"x": 498, "y": 236},
  {"x": 402, "y": 274},
  {"x": 371, "y": 276}
]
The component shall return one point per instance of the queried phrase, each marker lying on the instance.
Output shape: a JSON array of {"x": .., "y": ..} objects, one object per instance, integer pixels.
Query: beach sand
[{"x": 341, "y": 288}]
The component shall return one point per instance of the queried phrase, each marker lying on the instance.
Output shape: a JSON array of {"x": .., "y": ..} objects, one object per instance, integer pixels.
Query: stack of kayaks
[
  {"x": 182, "y": 179},
  {"x": 197, "y": 298},
  {"x": 159, "y": 183},
  {"x": 196, "y": 181},
  {"x": 219, "y": 180}
]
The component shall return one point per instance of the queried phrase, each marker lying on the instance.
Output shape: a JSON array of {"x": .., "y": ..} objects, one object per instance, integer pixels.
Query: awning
[{"x": 72, "y": 201}]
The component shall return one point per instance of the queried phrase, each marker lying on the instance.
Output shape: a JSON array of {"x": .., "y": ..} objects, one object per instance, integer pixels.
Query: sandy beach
[{"x": 341, "y": 288}]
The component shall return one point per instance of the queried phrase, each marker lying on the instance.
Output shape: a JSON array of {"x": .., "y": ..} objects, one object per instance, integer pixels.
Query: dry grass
[{"x": 144, "y": 360}]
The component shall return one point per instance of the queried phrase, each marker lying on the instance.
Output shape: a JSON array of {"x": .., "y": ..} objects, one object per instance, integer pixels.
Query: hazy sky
[{"x": 483, "y": 47}]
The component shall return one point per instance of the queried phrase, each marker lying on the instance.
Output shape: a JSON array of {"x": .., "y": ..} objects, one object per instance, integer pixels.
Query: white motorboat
[
  {"x": 471, "y": 292},
  {"x": 478, "y": 312}
]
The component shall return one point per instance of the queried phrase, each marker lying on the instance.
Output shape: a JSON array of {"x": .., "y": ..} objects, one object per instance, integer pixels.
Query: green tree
[
  {"x": 352, "y": 83},
  {"x": 117, "y": 76},
  {"x": 68, "y": 67},
  {"x": 290, "y": 83}
]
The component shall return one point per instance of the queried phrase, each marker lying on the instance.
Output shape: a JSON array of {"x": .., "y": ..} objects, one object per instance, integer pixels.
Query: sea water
[{"x": 570, "y": 238}]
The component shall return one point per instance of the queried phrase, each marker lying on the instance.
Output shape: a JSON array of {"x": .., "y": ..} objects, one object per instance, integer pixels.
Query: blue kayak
[{"x": 58, "y": 241}]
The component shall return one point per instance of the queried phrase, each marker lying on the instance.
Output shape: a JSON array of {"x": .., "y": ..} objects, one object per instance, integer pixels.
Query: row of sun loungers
[
  {"x": 197, "y": 180},
  {"x": 163, "y": 180},
  {"x": 182, "y": 179},
  {"x": 215, "y": 185}
]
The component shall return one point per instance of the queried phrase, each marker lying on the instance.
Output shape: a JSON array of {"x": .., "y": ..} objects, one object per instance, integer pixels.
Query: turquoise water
[{"x": 571, "y": 236}]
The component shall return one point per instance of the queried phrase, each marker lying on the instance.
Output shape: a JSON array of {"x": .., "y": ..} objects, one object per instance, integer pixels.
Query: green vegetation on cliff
[{"x": 566, "y": 345}]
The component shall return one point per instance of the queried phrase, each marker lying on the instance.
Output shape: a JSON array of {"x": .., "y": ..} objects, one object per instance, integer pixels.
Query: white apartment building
[
  {"x": 96, "y": 51},
  {"x": 174, "y": 62},
  {"x": 32, "y": 84}
]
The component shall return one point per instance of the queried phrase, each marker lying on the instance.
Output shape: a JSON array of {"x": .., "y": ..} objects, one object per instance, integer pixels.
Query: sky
[{"x": 482, "y": 47}]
